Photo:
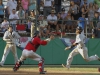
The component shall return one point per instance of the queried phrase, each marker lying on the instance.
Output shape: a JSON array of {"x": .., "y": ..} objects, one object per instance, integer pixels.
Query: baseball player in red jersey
[{"x": 30, "y": 52}]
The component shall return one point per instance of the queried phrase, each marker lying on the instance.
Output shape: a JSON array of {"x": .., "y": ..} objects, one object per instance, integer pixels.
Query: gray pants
[
  {"x": 84, "y": 53},
  {"x": 47, "y": 11}
]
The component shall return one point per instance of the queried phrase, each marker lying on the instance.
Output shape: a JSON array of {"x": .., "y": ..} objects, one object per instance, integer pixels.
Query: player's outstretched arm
[
  {"x": 67, "y": 48},
  {"x": 73, "y": 45},
  {"x": 50, "y": 38}
]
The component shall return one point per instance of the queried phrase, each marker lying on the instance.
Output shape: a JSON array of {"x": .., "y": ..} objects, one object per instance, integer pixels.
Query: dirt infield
[{"x": 50, "y": 71}]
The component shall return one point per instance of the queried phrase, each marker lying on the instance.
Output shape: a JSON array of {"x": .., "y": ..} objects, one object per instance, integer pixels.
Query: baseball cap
[{"x": 53, "y": 11}]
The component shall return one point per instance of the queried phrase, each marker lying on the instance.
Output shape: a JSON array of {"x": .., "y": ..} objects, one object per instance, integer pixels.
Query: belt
[
  {"x": 10, "y": 43},
  {"x": 47, "y": 6}
]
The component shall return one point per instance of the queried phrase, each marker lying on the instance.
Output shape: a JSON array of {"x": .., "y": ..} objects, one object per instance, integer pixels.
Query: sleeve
[
  {"x": 78, "y": 39},
  {"x": 41, "y": 42},
  {"x": 8, "y": 4},
  {"x": 10, "y": 17},
  {"x": 17, "y": 35},
  {"x": 2, "y": 24},
  {"x": 48, "y": 18},
  {"x": 5, "y": 37},
  {"x": 17, "y": 16}
]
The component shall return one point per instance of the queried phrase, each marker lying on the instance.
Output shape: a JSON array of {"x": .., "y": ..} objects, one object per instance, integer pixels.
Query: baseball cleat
[
  {"x": 43, "y": 72},
  {"x": 14, "y": 69},
  {"x": 97, "y": 57},
  {"x": 1, "y": 64},
  {"x": 63, "y": 66}
]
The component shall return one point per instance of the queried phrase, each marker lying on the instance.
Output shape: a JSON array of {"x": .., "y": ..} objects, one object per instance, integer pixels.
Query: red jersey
[{"x": 35, "y": 43}]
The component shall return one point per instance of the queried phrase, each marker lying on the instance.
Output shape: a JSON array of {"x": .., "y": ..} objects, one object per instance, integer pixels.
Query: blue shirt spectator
[
  {"x": 81, "y": 22},
  {"x": 1, "y": 9}
]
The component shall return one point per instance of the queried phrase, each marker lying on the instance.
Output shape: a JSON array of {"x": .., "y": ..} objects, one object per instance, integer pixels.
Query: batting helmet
[
  {"x": 36, "y": 33},
  {"x": 79, "y": 28}
]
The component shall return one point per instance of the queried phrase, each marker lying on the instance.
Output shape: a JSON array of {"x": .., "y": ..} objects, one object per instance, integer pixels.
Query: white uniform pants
[
  {"x": 84, "y": 54},
  {"x": 7, "y": 49},
  {"x": 30, "y": 54}
]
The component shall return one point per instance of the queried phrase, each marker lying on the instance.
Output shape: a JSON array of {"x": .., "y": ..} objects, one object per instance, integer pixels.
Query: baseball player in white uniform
[
  {"x": 80, "y": 49},
  {"x": 10, "y": 37}
]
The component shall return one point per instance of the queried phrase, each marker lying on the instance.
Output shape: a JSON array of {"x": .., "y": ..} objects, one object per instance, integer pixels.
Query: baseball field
[{"x": 51, "y": 70}]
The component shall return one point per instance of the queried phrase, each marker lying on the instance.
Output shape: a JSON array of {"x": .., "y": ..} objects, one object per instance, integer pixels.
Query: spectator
[
  {"x": 39, "y": 3},
  {"x": 25, "y": 5},
  {"x": 63, "y": 14},
  {"x": 43, "y": 26},
  {"x": 57, "y": 4},
  {"x": 29, "y": 25},
  {"x": 74, "y": 9},
  {"x": 4, "y": 25},
  {"x": 86, "y": 1},
  {"x": 48, "y": 5},
  {"x": 97, "y": 2},
  {"x": 90, "y": 1},
  {"x": 11, "y": 4},
  {"x": 52, "y": 20},
  {"x": 84, "y": 10},
  {"x": 60, "y": 26},
  {"x": 94, "y": 25},
  {"x": 69, "y": 23},
  {"x": 98, "y": 29},
  {"x": 1, "y": 11},
  {"x": 96, "y": 7},
  {"x": 81, "y": 22},
  {"x": 32, "y": 15},
  {"x": 61, "y": 17},
  {"x": 91, "y": 13},
  {"x": 12, "y": 17},
  {"x": 32, "y": 5},
  {"x": 95, "y": 19},
  {"x": 21, "y": 15},
  {"x": 77, "y": 2},
  {"x": 83, "y": 2},
  {"x": 41, "y": 8}
]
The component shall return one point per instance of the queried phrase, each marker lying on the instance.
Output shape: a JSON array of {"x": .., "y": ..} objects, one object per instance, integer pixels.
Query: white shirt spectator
[
  {"x": 52, "y": 18},
  {"x": 5, "y": 24},
  {"x": 13, "y": 16},
  {"x": 43, "y": 23},
  {"x": 21, "y": 14},
  {"x": 11, "y": 5},
  {"x": 99, "y": 12},
  {"x": 48, "y": 2}
]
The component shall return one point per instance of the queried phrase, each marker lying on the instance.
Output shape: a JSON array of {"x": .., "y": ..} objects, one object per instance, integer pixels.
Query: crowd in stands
[{"x": 52, "y": 16}]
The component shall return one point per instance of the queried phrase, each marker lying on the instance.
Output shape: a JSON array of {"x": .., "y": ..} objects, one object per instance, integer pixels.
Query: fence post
[
  {"x": 32, "y": 29},
  {"x": 86, "y": 28}
]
